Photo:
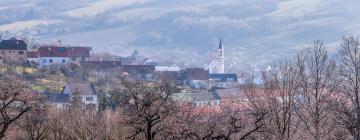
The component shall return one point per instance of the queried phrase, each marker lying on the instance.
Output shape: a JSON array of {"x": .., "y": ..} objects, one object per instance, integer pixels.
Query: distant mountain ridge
[{"x": 254, "y": 32}]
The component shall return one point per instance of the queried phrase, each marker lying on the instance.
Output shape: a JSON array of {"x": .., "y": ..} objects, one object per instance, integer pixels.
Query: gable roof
[
  {"x": 79, "y": 52},
  {"x": 13, "y": 44},
  {"x": 33, "y": 54},
  {"x": 85, "y": 88},
  {"x": 196, "y": 74},
  {"x": 53, "y": 51},
  {"x": 223, "y": 77}
]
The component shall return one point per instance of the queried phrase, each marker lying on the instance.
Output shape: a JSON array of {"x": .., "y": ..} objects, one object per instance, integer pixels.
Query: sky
[{"x": 255, "y": 32}]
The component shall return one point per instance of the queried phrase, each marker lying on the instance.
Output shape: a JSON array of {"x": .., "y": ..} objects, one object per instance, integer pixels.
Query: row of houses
[
  {"x": 16, "y": 51},
  {"x": 201, "y": 79},
  {"x": 230, "y": 98}
]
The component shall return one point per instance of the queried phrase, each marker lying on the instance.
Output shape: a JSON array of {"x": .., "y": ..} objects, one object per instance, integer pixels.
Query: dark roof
[
  {"x": 204, "y": 96},
  {"x": 138, "y": 69},
  {"x": 79, "y": 52},
  {"x": 34, "y": 54},
  {"x": 100, "y": 64},
  {"x": 53, "y": 51},
  {"x": 196, "y": 74},
  {"x": 223, "y": 77},
  {"x": 57, "y": 97},
  {"x": 13, "y": 44},
  {"x": 167, "y": 75}
]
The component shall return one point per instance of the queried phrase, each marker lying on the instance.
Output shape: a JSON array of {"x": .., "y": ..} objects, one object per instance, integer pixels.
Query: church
[{"x": 217, "y": 66}]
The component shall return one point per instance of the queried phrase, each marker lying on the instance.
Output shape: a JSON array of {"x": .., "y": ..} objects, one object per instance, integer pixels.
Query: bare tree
[
  {"x": 348, "y": 105},
  {"x": 317, "y": 84},
  {"x": 147, "y": 107},
  {"x": 280, "y": 85},
  {"x": 16, "y": 101},
  {"x": 35, "y": 124}
]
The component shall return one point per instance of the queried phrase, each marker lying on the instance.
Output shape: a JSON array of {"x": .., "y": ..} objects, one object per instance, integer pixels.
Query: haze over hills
[{"x": 254, "y": 32}]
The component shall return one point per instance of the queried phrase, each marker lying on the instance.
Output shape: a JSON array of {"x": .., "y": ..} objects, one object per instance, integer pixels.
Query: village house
[
  {"x": 197, "y": 78},
  {"x": 223, "y": 80},
  {"x": 85, "y": 90},
  {"x": 198, "y": 99},
  {"x": 54, "y": 55},
  {"x": 205, "y": 99},
  {"x": 13, "y": 50},
  {"x": 79, "y": 54},
  {"x": 57, "y": 100}
]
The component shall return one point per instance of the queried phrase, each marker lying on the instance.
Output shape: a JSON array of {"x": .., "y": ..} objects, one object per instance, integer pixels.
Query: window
[
  {"x": 9, "y": 51},
  {"x": 89, "y": 98},
  {"x": 21, "y": 52},
  {"x": 61, "y": 49},
  {"x": 50, "y": 61},
  {"x": 63, "y": 61},
  {"x": 44, "y": 61},
  {"x": 3, "y": 52}
]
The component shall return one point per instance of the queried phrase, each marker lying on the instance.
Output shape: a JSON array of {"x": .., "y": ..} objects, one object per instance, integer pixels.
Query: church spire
[{"x": 220, "y": 44}]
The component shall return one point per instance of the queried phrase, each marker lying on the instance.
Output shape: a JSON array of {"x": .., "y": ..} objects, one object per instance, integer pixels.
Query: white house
[{"x": 53, "y": 55}]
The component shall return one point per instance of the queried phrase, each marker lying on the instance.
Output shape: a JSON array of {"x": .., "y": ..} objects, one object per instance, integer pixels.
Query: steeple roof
[{"x": 220, "y": 44}]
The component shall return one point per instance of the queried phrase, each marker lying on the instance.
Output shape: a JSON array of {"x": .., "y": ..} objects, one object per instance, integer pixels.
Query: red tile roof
[{"x": 53, "y": 51}]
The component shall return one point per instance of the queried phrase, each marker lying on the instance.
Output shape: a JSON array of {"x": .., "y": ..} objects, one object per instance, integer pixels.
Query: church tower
[{"x": 221, "y": 57}]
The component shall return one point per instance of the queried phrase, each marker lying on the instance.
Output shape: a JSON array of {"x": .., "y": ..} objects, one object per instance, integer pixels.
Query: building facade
[
  {"x": 218, "y": 64},
  {"x": 13, "y": 50}
]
